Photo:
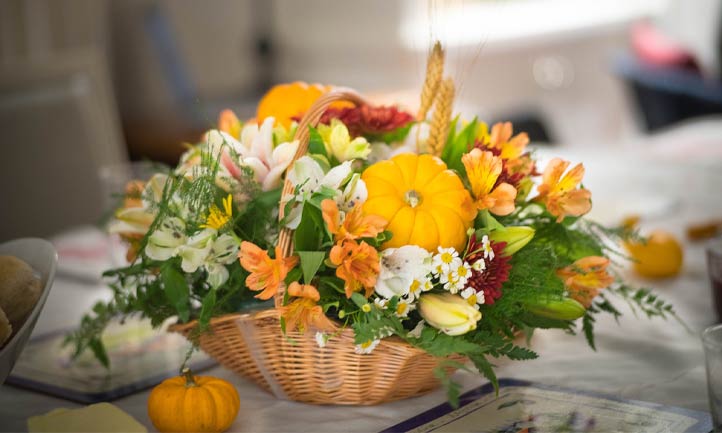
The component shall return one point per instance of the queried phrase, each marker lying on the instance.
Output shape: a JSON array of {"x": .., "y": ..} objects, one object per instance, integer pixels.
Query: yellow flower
[
  {"x": 483, "y": 170},
  {"x": 451, "y": 314},
  {"x": 560, "y": 194},
  {"x": 339, "y": 144},
  {"x": 218, "y": 218}
]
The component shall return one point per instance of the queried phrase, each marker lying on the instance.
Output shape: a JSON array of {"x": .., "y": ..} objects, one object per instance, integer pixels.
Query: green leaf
[
  {"x": 315, "y": 143},
  {"x": 358, "y": 299},
  {"x": 487, "y": 369},
  {"x": 207, "y": 306},
  {"x": 98, "y": 348},
  {"x": 453, "y": 389},
  {"x": 394, "y": 136},
  {"x": 309, "y": 234},
  {"x": 176, "y": 290},
  {"x": 310, "y": 262},
  {"x": 458, "y": 144},
  {"x": 588, "y": 327}
]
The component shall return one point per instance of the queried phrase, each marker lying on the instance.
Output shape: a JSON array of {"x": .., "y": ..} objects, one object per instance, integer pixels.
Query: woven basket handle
[{"x": 303, "y": 135}]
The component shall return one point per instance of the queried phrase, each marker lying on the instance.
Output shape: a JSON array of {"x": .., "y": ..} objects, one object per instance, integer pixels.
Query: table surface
[{"x": 651, "y": 360}]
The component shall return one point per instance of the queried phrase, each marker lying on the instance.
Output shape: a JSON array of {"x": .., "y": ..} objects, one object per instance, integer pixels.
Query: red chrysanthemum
[
  {"x": 495, "y": 272},
  {"x": 368, "y": 120}
]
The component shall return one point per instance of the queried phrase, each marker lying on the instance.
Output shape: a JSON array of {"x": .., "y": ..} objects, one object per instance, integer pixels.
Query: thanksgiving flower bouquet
[{"x": 396, "y": 246}]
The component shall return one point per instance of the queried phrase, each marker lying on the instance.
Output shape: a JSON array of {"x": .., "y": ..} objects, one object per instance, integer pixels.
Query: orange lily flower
[
  {"x": 267, "y": 274},
  {"x": 483, "y": 170},
  {"x": 358, "y": 265},
  {"x": 228, "y": 122},
  {"x": 355, "y": 225},
  {"x": 303, "y": 291},
  {"x": 304, "y": 312},
  {"x": 585, "y": 277},
  {"x": 560, "y": 194},
  {"x": 510, "y": 147}
]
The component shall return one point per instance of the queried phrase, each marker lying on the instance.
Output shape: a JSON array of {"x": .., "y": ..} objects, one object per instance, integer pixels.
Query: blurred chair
[{"x": 59, "y": 126}]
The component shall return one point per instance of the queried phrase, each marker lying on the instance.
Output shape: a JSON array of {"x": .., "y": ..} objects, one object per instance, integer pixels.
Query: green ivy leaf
[
  {"x": 311, "y": 261},
  {"x": 176, "y": 290}
]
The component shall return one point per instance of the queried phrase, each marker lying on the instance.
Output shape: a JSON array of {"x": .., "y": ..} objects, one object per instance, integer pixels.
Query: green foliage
[
  {"x": 315, "y": 143},
  {"x": 311, "y": 261},
  {"x": 176, "y": 289},
  {"x": 453, "y": 389},
  {"x": 459, "y": 143},
  {"x": 309, "y": 234},
  {"x": 395, "y": 136}
]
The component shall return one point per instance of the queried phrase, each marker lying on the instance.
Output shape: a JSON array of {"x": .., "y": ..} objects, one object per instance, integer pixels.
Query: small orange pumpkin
[
  {"x": 190, "y": 403},
  {"x": 425, "y": 203}
]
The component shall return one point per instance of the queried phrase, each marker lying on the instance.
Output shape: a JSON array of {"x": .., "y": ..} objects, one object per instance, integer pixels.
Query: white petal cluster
[{"x": 205, "y": 248}]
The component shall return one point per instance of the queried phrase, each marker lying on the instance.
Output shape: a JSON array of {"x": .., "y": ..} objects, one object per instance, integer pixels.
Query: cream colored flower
[
  {"x": 338, "y": 142},
  {"x": 448, "y": 313}
]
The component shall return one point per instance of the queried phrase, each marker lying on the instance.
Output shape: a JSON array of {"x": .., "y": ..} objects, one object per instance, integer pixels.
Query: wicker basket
[{"x": 293, "y": 366}]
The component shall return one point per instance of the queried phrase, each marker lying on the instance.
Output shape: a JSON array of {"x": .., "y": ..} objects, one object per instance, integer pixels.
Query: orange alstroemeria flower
[
  {"x": 585, "y": 277},
  {"x": 358, "y": 265},
  {"x": 560, "y": 194},
  {"x": 228, "y": 122},
  {"x": 483, "y": 170},
  {"x": 355, "y": 224},
  {"x": 267, "y": 274},
  {"x": 302, "y": 313},
  {"x": 510, "y": 147}
]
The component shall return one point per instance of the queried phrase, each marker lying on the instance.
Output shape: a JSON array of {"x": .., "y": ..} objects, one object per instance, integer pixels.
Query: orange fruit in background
[
  {"x": 286, "y": 101},
  {"x": 661, "y": 256}
]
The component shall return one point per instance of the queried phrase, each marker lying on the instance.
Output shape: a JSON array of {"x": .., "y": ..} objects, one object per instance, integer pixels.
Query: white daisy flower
[
  {"x": 479, "y": 265},
  {"x": 462, "y": 273},
  {"x": 381, "y": 303},
  {"x": 486, "y": 246},
  {"x": 473, "y": 297},
  {"x": 416, "y": 332},
  {"x": 446, "y": 259},
  {"x": 366, "y": 347},
  {"x": 403, "y": 307},
  {"x": 321, "y": 339},
  {"x": 452, "y": 283}
]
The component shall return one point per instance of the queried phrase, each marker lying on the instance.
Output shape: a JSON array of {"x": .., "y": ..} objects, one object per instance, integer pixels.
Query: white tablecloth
[{"x": 657, "y": 361}]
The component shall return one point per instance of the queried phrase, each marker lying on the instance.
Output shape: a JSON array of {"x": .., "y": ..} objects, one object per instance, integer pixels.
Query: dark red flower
[
  {"x": 494, "y": 273},
  {"x": 368, "y": 120}
]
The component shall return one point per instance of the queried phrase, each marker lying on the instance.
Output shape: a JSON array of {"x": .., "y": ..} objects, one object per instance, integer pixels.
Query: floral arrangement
[{"x": 441, "y": 232}]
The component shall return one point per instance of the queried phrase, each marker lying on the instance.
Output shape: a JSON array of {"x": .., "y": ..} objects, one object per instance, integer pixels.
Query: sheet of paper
[{"x": 525, "y": 407}]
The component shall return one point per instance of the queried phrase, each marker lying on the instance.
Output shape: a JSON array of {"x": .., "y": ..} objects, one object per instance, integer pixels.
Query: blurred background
[{"x": 88, "y": 85}]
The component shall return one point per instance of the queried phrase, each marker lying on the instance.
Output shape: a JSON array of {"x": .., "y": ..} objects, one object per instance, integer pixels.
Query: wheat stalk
[
  {"x": 434, "y": 74},
  {"x": 441, "y": 117}
]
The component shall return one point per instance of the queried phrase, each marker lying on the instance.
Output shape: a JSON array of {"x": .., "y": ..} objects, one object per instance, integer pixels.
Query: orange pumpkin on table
[
  {"x": 425, "y": 203},
  {"x": 190, "y": 403}
]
